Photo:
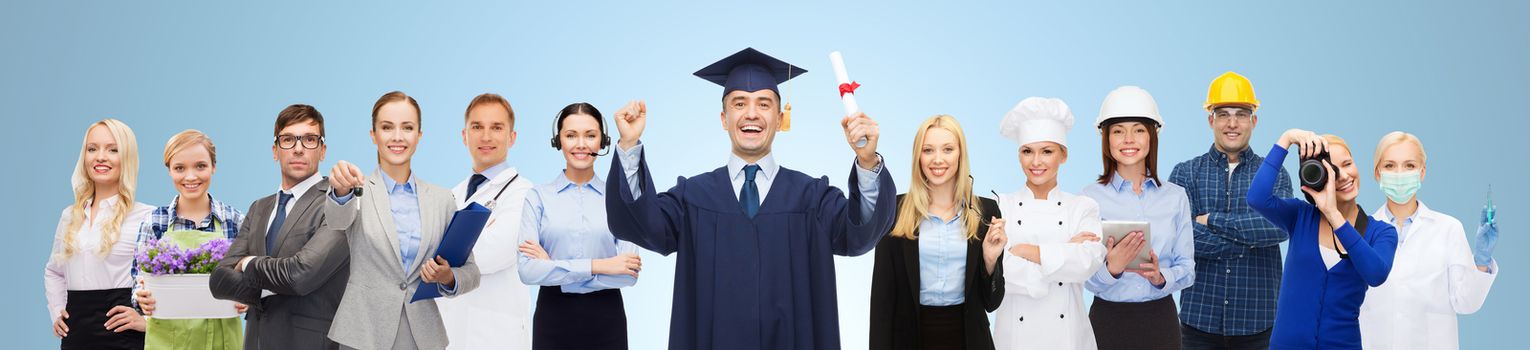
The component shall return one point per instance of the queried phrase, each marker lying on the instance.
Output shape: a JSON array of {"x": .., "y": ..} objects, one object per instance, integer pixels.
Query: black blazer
[{"x": 895, "y": 289}]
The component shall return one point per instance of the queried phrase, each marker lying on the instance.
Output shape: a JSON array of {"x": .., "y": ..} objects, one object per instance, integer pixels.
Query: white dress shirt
[{"x": 87, "y": 269}]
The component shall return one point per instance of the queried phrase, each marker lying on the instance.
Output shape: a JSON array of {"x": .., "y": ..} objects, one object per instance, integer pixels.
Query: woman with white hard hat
[
  {"x": 1045, "y": 264},
  {"x": 1442, "y": 275},
  {"x": 1133, "y": 307}
]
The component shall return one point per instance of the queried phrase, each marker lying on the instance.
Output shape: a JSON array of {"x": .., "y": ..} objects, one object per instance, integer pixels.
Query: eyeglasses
[
  {"x": 310, "y": 141},
  {"x": 1239, "y": 114}
]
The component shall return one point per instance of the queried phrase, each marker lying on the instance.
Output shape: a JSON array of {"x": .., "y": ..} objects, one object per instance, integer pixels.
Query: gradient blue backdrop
[{"x": 1453, "y": 73}]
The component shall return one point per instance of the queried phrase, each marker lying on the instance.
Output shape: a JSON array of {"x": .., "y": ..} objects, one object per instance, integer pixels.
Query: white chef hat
[{"x": 1038, "y": 119}]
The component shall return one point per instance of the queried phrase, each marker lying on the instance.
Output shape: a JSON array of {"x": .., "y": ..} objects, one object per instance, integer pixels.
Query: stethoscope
[{"x": 493, "y": 201}]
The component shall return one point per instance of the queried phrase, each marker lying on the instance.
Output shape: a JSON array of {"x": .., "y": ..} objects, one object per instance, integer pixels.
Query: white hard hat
[
  {"x": 1128, "y": 102},
  {"x": 1038, "y": 119}
]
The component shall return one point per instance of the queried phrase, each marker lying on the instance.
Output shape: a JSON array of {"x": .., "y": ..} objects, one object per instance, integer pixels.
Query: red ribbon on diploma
[{"x": 848, "y": 88}]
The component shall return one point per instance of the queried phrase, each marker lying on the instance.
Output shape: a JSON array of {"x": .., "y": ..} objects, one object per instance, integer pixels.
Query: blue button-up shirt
[
  {"x": 1167, "y": 211},
  {"x": 405, "y": 204},
  {"x": 1237, "y": 253},
  {"x": 569, "y": 221},
  {"x": 942, "y": 261}
]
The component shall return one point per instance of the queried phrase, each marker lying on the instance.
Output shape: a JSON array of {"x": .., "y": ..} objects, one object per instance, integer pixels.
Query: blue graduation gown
[{"x": 742, "y": 283}]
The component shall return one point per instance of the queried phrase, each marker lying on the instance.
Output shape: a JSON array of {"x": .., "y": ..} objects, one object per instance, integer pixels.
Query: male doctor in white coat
[{"x": 497, "y": 315}]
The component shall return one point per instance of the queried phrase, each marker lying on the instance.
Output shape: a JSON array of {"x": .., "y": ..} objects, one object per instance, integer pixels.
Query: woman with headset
[{"x": 568, "y": 250}]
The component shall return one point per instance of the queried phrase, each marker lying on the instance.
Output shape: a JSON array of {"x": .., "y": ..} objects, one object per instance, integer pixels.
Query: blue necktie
[
  {"x": 749, "y": 196},
  {"x": 477, "y": 180},
  {"x": 276, "y": 224}
]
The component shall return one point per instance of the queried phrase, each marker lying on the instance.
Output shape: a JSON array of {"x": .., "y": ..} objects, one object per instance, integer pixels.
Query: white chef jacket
[
  {"x": 1044, "y": 303},
  {"x": 1433, "y": 279},
  {"x": 497, "y": 315}
]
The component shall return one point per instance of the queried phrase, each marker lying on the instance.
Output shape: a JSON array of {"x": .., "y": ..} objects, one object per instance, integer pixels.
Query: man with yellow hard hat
[{"x": 1237, "y": 252}]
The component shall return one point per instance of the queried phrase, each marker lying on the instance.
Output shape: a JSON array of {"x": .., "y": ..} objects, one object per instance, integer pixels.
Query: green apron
[{"x": 188, "y": 334}]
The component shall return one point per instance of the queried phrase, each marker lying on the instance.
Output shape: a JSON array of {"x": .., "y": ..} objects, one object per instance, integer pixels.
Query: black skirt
[
  {"x": 87, "y": 319},
  {"x": 596, "y": 320},
  {"x": 942, "y": 327},
  {"x": 1145, "y": 325}
]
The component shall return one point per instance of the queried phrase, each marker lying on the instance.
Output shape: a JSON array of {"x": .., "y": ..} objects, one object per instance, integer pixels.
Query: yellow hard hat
[{"x": 1230, "y": 88}]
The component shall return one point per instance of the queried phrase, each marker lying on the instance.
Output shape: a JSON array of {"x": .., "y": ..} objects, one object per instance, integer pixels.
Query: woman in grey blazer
[{"x": 396, "y": 221}]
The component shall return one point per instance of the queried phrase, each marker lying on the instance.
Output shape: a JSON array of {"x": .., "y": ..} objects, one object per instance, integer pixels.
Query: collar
[
  {"x": 216, "y": 209},
  {"x": 562, "y": 183},
  {"x": 109, "y": 202},
  {"x": 1244, "y": 156},
  {"x": 1025, "y": 194},
  {"x": 1386, "y": 213},
  {"x": 302, "y": 187},
  {"x": 768, "y": 166},
  {"x": 395, "y": 187},
  {"x": 1120, "y": 184},
  {"x": 493, "y": 172},
  {"x": 954, "y": 218}
]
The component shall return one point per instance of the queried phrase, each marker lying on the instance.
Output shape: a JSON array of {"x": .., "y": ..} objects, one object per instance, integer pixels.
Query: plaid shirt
[
  {"x": 1237, "y": 255},
  {"x": 163, "y": 220}
]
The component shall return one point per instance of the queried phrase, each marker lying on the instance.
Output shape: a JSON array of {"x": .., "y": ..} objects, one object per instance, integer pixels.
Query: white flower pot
[{"x": 186, "y": 296}]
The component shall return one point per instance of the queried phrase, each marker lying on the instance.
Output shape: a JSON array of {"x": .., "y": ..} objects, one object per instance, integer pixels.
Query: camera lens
[{"x": 1313, "y": 175}]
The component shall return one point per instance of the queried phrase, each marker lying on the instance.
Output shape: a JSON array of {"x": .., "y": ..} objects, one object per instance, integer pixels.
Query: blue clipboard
[{"x": 456, "y": 244}]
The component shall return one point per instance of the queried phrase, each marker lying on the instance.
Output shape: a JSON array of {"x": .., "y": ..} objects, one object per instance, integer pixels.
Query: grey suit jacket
[
  {"x": 379, "y": 287},
  {"x": 307, "y": 272}
]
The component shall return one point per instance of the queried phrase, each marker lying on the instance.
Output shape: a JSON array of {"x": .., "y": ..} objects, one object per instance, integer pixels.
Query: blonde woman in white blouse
[{"x": 89, "y": 276}]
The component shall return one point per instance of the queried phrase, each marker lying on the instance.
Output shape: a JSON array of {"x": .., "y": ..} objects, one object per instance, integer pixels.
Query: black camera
[{"x": 1312, "y": 173}]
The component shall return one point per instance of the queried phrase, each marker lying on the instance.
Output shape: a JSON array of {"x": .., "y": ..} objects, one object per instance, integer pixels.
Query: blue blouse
[
  {"x": 1319, "y": 307},
  {"x": 569, "y": 221},
  {"x": 942, "y": 261},
  {"x": 1166, "y": 209}
]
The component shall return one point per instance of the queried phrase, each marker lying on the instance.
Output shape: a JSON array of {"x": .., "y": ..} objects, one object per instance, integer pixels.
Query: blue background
[{"x": 1454, "y": 73}]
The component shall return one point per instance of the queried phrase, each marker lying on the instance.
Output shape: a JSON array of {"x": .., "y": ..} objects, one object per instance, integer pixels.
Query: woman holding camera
[{"x": 1337, "y": 252}]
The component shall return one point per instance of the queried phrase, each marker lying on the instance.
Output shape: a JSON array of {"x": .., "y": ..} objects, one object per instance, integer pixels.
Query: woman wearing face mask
[
  {"x": 191, "y": 158},
  {"x": 936, "y": 277},
  {"x": 89, "y": 276},
  {"x": 394, "y": 226},
  {"x": 567, "y": 249},
  {"x": 1440, "y": 277},
  {"x": 1046, "y": 264},
  {"x": 1337, "y": 252},
  {"x": 1133, "y": 305}
]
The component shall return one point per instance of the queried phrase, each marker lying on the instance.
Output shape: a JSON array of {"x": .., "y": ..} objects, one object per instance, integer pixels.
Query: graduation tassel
[{"x": 786, "y": 115}]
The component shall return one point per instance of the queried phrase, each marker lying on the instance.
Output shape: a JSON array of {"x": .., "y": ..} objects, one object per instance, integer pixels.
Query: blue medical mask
[{"x": 1400, "y": 187}]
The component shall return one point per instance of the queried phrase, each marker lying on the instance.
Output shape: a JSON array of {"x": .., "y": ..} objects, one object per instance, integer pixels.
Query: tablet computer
[{"x": 1119, "y": 229}]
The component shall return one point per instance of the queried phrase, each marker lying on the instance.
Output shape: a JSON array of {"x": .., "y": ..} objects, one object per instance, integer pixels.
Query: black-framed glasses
[{"x": 309, "y": 141}]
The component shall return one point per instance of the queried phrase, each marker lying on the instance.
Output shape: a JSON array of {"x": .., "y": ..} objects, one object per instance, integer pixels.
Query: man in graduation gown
[{"x": 755, "y": 240}]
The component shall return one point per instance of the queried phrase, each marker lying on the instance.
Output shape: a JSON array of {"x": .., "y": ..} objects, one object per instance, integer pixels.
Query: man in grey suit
[{"x": 286, "y": 264}]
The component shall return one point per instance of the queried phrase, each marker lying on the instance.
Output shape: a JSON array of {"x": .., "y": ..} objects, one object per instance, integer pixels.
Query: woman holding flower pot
[
  {"x": 88, "y": 277},
  {"x": 193, "y": 217}
]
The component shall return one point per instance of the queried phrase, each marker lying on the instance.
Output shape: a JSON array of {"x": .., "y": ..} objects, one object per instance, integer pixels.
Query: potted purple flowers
[{"x": 178, "y": 275}]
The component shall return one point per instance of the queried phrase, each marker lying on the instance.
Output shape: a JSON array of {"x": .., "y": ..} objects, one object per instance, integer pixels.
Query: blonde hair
[
  {"x": 1335, "y": 140},
  {"x": 916, "y": 204},
  {"x": 85, "y": 189},
  {"x": 187, "y": 139},
  {"x": 1397, "y": 137}
]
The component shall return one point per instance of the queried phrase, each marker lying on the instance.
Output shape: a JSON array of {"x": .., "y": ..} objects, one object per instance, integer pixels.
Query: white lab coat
[
  {"x": 1044, "y": 303},
  {"x": 497, "y": 315},
  {"x": 1433, "y": 279}
]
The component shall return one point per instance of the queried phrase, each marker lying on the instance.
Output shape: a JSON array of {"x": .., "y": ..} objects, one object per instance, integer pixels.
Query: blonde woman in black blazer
[{"x": 936, "y": 276}]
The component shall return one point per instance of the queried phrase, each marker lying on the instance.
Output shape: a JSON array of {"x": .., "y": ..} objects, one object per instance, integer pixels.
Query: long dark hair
[{"x": 1110, "y": 162}]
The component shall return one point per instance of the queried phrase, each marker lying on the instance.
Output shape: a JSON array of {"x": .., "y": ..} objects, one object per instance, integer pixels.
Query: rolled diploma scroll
[{"x": 838, "y": 61}]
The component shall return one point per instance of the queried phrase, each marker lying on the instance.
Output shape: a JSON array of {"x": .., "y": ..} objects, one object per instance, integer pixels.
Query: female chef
[{"x": 1053, "y": 247}]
